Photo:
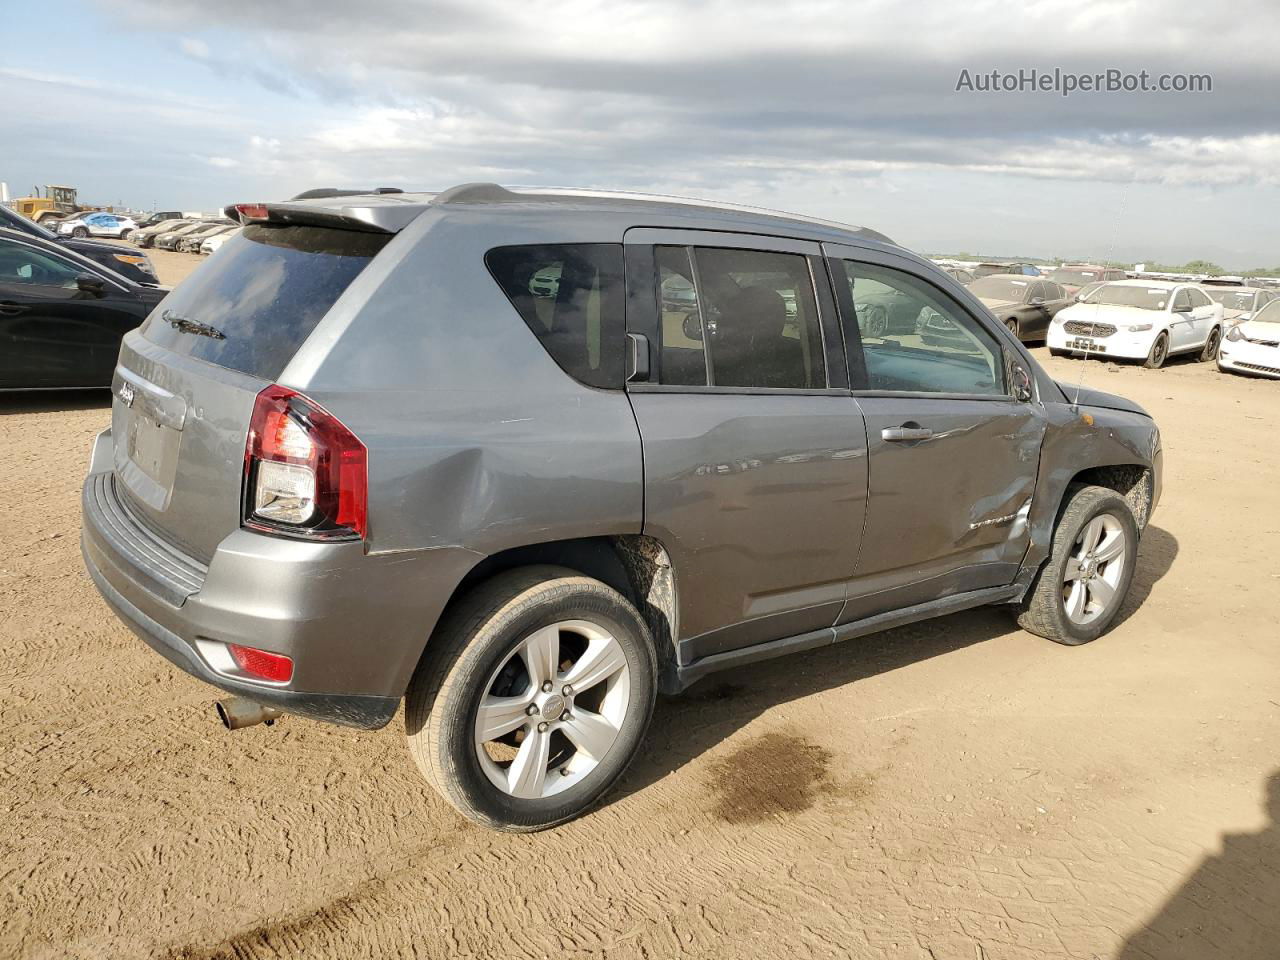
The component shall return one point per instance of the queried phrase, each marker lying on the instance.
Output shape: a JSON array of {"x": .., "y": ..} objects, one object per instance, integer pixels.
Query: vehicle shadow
[
  {"x": 52, "y": 401},
  {"x": 686, "y": 726},
  {"x": 1228, "y": 908}
]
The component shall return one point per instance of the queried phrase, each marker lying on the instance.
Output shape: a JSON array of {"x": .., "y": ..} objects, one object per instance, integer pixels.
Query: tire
[
  {"x": 80, "y": 233},
  {"x": 124, "y": 234},
  {"x": 1012, "y": 326},
  {"x": 877, "y": 321},
  {"x": 477, "y": 652},
  {"x": 1210, "y": 351},
  {"x": 1045, "y": 611},
  {"x": 1159, "y": 353}
]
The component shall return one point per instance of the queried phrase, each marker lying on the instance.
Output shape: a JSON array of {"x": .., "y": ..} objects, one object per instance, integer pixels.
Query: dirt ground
[{"x": 956, "y": 789}]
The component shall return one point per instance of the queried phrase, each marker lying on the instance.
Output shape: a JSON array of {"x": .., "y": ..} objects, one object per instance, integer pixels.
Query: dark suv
[{"x": 525, "y": 459}]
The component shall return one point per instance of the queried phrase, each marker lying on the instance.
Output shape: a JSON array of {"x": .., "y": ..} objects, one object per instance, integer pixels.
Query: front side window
[
  {"x": 571, "y": 295},
  {"x": 738, "y": 318},
  {"x": 1198, "y": 297},
  {"x": 20, "y": 264},
  {"x": 931, "y": 345}
]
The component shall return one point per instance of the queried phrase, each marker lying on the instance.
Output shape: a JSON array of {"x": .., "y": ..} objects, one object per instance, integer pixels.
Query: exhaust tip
[{"x": 237, "y": 713}]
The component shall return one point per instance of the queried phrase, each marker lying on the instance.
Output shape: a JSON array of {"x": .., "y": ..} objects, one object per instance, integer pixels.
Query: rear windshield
[
  {"x": 1232, "y": 299},
  {"x": 1075, "y": 275},
  {"x": 998, "y": 288},
  {"x": 250, "y": 307}
]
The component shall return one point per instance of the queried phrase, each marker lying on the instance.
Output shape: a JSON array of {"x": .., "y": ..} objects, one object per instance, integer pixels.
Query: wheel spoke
[
  {"x": 1073, "y": 570},
  {"x": 590, "y": 732},
  {"x": 1111, "y": 548},
  {"x": 1101, "y": 592},
  {"x": 541, "y": 653},
  {"x": 499, "y": 715},
  {"x": 1092, "y": 534},
  {"x": 1076, "y": 601},
  {"x": 600, "y": 661},
  {"x": 528, "y": 771}
]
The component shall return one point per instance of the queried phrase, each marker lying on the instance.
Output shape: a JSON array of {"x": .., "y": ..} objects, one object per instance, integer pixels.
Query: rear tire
[
  {"x": 1082, "y": 586},
  {"x": 1210, "y": 351},
  {"x": 1159, "y": 353},
  {"x": 482, "y": 664},
  {"x": 79, "y": 233}
]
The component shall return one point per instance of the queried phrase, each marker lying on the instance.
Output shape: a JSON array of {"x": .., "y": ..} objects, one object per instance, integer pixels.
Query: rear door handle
[
  {"x": 10, "y": 309},
  {"x": 906, "y": 432}
]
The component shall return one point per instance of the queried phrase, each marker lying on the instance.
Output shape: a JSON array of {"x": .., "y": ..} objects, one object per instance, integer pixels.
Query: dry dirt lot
[{"x": 956, "y": 789}]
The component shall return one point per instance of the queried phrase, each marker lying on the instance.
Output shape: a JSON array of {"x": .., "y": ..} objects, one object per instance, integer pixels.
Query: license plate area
[{"x": 1084, "y": 343}]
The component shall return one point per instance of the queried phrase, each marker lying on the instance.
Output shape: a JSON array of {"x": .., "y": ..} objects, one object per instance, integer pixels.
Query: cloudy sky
[{"x": 845, "y": 110}]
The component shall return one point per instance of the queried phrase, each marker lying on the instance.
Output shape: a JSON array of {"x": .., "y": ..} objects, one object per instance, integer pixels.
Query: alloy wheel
[
  {"x": 552, "y": 709},
  {"x": 1094, "y": 569}
]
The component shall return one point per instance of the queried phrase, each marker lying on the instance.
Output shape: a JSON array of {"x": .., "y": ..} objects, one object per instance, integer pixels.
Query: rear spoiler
[{"x": 383, "y": 212}]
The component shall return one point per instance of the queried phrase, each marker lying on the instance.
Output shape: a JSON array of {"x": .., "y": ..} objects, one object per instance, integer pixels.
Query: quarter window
[
  {"x": 738, "y": 318},
  {"x": 571, "y": 296},
  {"x": 915, "y": 339}
]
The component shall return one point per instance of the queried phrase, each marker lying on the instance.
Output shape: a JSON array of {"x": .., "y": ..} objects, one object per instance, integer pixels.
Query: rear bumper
[{"x": 354, "y": 625}]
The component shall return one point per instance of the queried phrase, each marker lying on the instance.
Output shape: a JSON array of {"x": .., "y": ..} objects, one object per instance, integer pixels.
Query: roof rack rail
[
  {"x": 478, "y": 192},
  {"x": 319, "y": 192}
]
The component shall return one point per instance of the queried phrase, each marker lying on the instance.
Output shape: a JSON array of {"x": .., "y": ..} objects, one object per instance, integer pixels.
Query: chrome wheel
[
  {"x": 553, "y": 709},
  {"x": 1094, "y": 569}
]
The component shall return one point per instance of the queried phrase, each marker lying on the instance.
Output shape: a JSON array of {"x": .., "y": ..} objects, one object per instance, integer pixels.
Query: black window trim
[
  {"x": 853, "y": 336},
  {"x": 647, "y": 317}
]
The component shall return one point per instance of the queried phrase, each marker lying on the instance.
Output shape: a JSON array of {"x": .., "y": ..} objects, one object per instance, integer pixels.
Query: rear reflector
[{"x": 275, "y": 667}]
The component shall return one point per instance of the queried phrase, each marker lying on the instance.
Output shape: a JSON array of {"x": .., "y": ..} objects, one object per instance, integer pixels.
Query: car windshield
[
  {"x": 1120, "y": 295},
  {"x": 1232, "y": 299},
  {"x": 1075, "y": 275},
  {"x": 1268, "y": 314},
  {"x": 999, "y": 288}
]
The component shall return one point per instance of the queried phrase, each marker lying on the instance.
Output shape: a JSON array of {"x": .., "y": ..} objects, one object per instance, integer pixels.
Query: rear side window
[
  {"x": 251, "y": 307},
  {"x": 738, "y": 318},
  {"x": 571, "y": 296}
]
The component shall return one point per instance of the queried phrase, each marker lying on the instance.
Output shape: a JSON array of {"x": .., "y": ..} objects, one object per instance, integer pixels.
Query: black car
[
  {"x": 154, "y": 218},
  {"x": 62, "y": 315},
  {"x": 136, "y": 266}
]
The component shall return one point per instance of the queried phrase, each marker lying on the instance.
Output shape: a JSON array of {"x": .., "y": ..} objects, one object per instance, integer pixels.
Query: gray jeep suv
[{"x": 525, "y": 459}]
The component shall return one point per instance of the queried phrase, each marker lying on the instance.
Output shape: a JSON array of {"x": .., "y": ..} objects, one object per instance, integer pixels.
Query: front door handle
[
  {"x": 10, "y": 309},
  {"x": 908, "y": 431}
]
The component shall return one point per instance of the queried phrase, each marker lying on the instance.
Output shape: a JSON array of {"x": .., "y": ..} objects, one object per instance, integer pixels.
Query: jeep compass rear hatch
[{"x": 186, "y": 383}]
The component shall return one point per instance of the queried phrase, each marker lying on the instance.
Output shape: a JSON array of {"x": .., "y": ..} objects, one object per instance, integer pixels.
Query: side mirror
[
  {"x": 1023, "y": 391},
  {"x": 88, "y": 283},
  {"x": 692, "y": 327}
]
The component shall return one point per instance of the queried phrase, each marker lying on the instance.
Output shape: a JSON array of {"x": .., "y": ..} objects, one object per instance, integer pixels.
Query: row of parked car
[
  {"x": 1092, "y": 310},
  {"x": 202, "y": 236}
]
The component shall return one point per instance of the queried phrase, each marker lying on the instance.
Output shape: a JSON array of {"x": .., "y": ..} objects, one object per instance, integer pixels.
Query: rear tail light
[
  {"x": 275, "y": 667},
  {"x": 305, "y": 474}
]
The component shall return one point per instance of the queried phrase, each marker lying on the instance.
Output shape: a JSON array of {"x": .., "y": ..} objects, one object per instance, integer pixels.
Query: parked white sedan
[
  {"x": 1148, "y": 320},
  {"x": 1253, "y": 346}
]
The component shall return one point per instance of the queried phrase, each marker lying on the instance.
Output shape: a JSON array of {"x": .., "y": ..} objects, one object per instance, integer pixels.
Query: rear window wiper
[{"x": 187, "y": 325}]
